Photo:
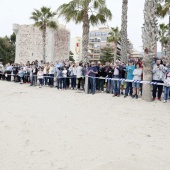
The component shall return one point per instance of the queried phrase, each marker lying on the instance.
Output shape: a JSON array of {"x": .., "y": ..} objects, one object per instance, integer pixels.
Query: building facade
[
  {"x": 29, "y": 43},
  {"x": 76, "y": 48},
  {"x": 98, "y": 41}
]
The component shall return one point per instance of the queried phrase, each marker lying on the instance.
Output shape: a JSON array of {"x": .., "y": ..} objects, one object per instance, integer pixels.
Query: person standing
[
  {"x": 159, "y": 72},
  {"x": 73, "y": 73},
  {"x": 118, "y": 74},
  {"x": 101, "y": 78},
  {"x": 129, "y": 71},
  {"x": 40, "y": 77},
  {"x": 92, "y": 71},
  {"x": 64, "y": 72},
  {"x": 51, "y": 75},
  {"x": 166, "y": 88},
  {"x": 137, "y": 77},
  {"x": 79, "y": 75}
]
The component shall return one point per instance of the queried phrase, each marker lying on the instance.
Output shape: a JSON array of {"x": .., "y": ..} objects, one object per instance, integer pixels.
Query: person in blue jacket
[{"x": 129, "y": 70}]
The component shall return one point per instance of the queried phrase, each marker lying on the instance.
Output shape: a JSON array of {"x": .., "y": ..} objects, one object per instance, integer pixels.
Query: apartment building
[{"x": 97, "y": 41}]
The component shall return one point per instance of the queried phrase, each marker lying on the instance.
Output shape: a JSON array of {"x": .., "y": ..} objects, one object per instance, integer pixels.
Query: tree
[
  {"x": 114, "y": 37},
  {"x": 162, "y": 11},
  {"x": 163, "y": 31},
  {"x": 149, "y": 36},
  {"x": 107, "y": 54},
  {"x": 124, "y": 46},
  {"x": 88, "y": 12},
  {"x": 71, "y": 56},
  {"x": 43, "y": 19}
]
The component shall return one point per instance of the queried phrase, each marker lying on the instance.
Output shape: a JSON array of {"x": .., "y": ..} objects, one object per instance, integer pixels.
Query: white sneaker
[{"x": 164, "y": 101}]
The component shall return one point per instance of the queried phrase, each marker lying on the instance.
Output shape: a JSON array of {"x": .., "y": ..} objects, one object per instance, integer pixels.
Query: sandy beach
[{"x": 47, "y": 129}]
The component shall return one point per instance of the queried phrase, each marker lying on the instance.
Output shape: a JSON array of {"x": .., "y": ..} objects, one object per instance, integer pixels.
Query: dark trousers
[
  {"x": 93, "y": 85},
  {"x": 128, "y": 88},
  {"x": 67, "y": 82},
  {"x": 51, "y": 80},
  {"x": 79, "y": 82},
  {"x": 97, "y": 84},
  {"x": 64, "y": 83},
  {"x": 0, "y": 75},
  {"x": 9, "y": 76},
  {"x": 41, "y": 82},
  {"x": 101, "y": 84},
  {"x": 73, "y": 82},
  {"x": 155, "y": 88}
]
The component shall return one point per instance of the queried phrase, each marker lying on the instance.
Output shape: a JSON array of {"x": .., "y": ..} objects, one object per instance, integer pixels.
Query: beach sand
[{"x": 47, "y": 129}]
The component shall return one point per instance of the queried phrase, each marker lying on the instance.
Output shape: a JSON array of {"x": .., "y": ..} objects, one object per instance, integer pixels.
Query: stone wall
[{"x": 29, "y": 44}]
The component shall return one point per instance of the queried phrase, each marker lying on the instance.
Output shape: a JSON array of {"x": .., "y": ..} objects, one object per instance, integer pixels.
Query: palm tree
[
  {"x": 114, "y": 37},
  {"x": 163, "y": 35},
  {"x": 43, "y": 19},
  {"x": 88, "y": 12},
  {"x": 162, "y": 11},
  {"x": 124, "y": 44}
]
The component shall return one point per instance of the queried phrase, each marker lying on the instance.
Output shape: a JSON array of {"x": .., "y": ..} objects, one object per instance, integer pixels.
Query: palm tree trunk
[
  {"x": 86, "y": 27},
  {"x": 162, "y": 49},
  {"x": 147, "y": 76},
  {"x": 115, "y": 52},
  {"x": 124, "y": 45},
  {"x": 44, "y": 44},
  {"x": 149, "y": 36}
]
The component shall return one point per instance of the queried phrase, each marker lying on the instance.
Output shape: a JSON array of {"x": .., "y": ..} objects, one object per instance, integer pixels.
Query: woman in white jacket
[
  {"x": 73, "y": 74},
  {"x": 137, "y": 77}
]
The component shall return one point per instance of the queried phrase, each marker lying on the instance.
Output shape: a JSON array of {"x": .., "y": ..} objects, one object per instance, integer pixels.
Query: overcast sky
[{"x": 19, "y": 11}]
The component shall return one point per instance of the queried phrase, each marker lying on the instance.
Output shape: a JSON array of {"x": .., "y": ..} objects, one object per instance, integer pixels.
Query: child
[
  {"x": 40, "y": 76},
  {"x": 21, "y": 75},
  {"x": 64, "y": 72},
  {"x": 166, "y": 87}
]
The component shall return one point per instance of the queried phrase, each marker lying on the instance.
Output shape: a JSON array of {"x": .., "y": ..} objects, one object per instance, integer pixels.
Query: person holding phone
[{"x": 159, "y": 74}]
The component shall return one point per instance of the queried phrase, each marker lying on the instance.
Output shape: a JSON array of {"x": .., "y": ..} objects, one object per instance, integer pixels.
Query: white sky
[{"x": 19, "y": 11}]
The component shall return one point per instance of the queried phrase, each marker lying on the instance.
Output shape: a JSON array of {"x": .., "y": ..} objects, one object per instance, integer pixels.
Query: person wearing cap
[
  {"x": 166, "y": 87},
  {"x": 129, "y": 71},
  {"x": 159, "y": 73}
]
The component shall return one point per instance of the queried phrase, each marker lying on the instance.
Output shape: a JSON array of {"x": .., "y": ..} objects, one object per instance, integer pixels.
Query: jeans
[
  {"x": 166, "y": 92},
  {"x": 155, "y": 87},
  {"x": 93, "y": 84},
  {"x": 41, "y": 82},
  {"x": 51, "y": 80},
  {"x": 116, "y": 86},
  {"x": 128, "y": 88},
  {"x": 73, "y": 81},
  {"x": 109, "y": 85},
  {"x": 59, "y": 82},
  {"x": 34, "y": 80},
  {"x": 64, "y": 83},
  {"x": 46, "y": 79}
]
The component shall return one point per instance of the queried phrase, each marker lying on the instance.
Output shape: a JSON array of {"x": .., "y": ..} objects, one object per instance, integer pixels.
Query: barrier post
[{"x": 86, "y": 84}]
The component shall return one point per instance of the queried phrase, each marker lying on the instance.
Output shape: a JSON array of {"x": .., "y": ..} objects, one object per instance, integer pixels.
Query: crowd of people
[{"x": 64, "y": 75}]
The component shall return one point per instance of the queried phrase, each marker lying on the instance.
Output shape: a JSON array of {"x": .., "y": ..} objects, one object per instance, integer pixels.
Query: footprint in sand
[
  {"x": 7, "y": 127},
  {"x": 40, "y": 152}
]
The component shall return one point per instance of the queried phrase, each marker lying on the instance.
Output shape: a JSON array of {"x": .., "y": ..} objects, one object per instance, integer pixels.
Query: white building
[
  {"x": 76, "y": 48},
  {"x": 29, "y": 43}
]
